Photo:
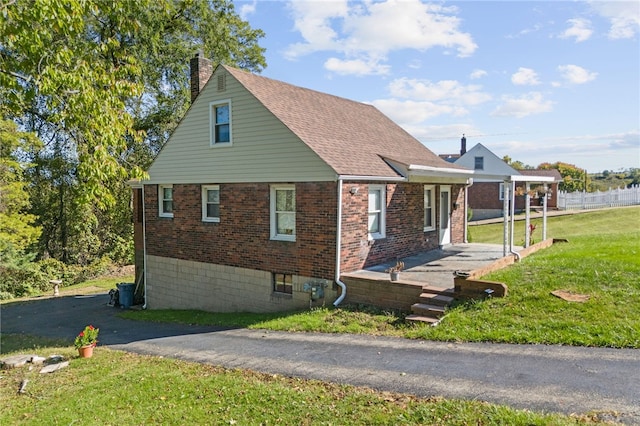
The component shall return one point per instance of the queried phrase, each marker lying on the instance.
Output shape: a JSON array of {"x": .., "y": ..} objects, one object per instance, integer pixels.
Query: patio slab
[{"x": 437, "y": 267}]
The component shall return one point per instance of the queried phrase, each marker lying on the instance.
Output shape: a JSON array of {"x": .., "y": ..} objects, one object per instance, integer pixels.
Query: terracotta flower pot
[{"x": 86, "y": 351}]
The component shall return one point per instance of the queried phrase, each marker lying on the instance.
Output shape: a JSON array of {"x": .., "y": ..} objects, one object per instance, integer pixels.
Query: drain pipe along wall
[{"x": 342, "y": 285}]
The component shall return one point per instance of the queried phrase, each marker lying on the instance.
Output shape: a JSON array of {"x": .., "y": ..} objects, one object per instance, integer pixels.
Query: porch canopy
[{"x": 510, "y": 182}]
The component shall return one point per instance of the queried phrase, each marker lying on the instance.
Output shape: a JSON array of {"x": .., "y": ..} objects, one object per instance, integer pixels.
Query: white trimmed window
[
  {"x": 220, "y": 117},
  {"x": 429, "y": 208},
  {"x": 165, "y": 200},
  {"x": 283, "y": 212},
  {"x": 211, "y": 203},
  {"x": 377, "y": 207},
  {"x": 478, "y": 163},
  {"x": 501, "y": 192}
]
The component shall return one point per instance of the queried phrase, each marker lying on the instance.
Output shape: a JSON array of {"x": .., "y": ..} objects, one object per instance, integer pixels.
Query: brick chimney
[
  {"x": 201, "y": 70},
  {"x": 463, "y": 145}
]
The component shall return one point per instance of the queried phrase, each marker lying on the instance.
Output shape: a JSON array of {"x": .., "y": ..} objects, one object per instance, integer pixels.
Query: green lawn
[
  {"x": 115, "y": 387},
  {"x": 601, "y": 260}
]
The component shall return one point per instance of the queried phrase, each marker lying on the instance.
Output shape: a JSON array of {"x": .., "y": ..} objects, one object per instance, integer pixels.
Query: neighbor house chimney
[
  {"x": 463, "y": 145},
  {"x": 201, "y": 70}
]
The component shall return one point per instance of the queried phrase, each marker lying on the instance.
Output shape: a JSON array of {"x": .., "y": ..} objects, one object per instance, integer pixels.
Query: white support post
[
  {"x": 505, "y": 215},
  {"x": 527, "y": 214},
  {"x": 544, "y": 213}
]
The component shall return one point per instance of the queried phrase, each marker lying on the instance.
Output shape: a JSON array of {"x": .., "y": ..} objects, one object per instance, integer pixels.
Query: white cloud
[
  {"x": 528, "y": 104},
  {"x": 408, "y": 112},
  {"x": 578, "y": 28},
  {"x": 624, "y": 17},
  {"x": 248, "y": 9},
  {"x": 574, "y": 74},
  {"x": 525, "y": 77},
  {"x": 449, "y": 92},
  {"x": 476, "y": 74},
  {"x": 356, "y": 67},
  {"x": 366, "y": 31}
]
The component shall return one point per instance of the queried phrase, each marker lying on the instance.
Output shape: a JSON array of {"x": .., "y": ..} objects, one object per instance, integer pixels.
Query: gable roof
[{"x": 353, "y": 138}]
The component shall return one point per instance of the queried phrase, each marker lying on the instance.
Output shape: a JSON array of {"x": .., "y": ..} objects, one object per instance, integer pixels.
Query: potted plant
[
  {"x": 394, "y": 271},
  {"x": 86, "y": 341}
]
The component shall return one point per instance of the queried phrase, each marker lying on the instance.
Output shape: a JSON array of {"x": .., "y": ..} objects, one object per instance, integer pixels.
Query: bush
[{"x": 22, "y": 281}]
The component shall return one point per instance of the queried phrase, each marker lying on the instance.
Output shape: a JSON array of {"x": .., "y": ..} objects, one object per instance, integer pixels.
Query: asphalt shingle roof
[{"x": 353, "y": 138}]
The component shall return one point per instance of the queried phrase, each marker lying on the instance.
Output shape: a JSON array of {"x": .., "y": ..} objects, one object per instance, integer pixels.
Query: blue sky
[{"x": 541, "y": 81}]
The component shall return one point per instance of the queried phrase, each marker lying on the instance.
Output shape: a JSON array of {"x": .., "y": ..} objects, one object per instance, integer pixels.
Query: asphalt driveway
[{"x": 538, "y": 377}]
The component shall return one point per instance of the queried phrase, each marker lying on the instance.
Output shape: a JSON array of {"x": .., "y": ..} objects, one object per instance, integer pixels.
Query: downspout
[
  {"x": 466, "y": 210},
  {"x": 342, "y": 285},
  {"x": 513, "y": 220},
  {"x": 144, "y": 250}
]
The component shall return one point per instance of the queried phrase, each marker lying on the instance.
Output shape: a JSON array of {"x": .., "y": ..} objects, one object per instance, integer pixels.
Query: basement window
[{"x": 283, "y": 283}]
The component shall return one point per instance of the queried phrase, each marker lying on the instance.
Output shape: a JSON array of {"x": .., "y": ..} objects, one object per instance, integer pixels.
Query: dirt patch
[
  {"x": 570, "y": 296},
  {"x": 119, "y": 271}
]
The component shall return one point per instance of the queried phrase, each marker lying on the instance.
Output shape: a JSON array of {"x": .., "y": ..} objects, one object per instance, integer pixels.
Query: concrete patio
[{"x": 436, "y": 267}]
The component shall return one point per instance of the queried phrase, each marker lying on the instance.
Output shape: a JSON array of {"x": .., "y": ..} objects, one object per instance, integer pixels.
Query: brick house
[
  {"x": 266, "y": 192},
  {"x": 491, "y": 174}
]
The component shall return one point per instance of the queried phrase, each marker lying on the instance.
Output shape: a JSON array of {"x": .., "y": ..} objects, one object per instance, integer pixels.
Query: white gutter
[
  {"x": 144, "y": 250},
  {"x": 513, "y": 220},
  {"x": 342, "y": 285},
  {"x": 372, "y": 178},
  {"x": 441, "y": 171}
]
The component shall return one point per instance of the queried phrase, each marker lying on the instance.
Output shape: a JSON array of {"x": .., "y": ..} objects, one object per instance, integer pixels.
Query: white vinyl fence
[{"x": 594, "y": 200}]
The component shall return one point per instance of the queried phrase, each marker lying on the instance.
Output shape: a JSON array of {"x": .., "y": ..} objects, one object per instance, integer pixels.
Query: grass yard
[
  {"x": 601, "y": 260},
  {"x": 115, "y": 387}
]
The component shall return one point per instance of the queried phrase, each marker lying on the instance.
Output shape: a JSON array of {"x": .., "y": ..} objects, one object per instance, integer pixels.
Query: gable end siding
[{"x": 263, "y": 149}]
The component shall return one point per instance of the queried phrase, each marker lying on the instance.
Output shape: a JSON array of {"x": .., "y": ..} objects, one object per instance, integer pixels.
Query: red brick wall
[
  {"x": 242, "y": 236},
  {"x": 485, "y": 195},
  {"x": 405, "y": 234}
]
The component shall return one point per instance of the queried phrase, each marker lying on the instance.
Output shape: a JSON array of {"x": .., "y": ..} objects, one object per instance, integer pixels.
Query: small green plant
[{"x": 87, "y": 337}]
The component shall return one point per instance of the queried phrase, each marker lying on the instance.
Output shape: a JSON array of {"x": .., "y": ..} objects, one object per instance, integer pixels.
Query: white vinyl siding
[
  {"x": 264, "y": 149},
  {"x": 211, "y": 203},
  {"x": 220, "y": 123},
  {"x": 429, "y": 208},
  {"x": 165, "y": 200},
  {"x": 283, "y": 212},
  {"x": 377, "y": 211}
]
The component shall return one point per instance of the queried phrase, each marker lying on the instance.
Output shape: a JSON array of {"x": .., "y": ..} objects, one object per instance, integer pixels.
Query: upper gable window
[
  {"x": 429, "y": 208},
  {"x": 211, "y": 203},
  {"x": 220, "y": 116},
  {"x": 377, "y": 206},
  {"x": 283, "y": 212},
  {"x": 478, "y": 163},
  {"x": 165, "y": 200}
]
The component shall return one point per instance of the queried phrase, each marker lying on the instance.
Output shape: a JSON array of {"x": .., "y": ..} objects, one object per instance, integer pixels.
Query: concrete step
[
  {"x": 420, "y": 318},
  {"x": 435, "y": 299},
  {"x": 427, "y": 310},
  {"x": 438, "y": 290}
]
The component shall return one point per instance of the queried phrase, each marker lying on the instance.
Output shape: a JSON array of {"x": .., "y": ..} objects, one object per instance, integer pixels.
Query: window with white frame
[
  {"x": 501, "y": 192},
  {"x": 165, "y": 200},
  {"x": 283, "y": 212},
  {"x": 220, "y": 123},
  {"x": 478, "y": 163},
  {"x": 377, "y": 206},
  {"x": 211, "y": 203},
  {"x": 429, "y": 208}
]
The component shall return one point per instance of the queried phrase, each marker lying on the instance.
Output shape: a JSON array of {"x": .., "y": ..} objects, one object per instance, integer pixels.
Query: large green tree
[{"x": 103, "y": 84}]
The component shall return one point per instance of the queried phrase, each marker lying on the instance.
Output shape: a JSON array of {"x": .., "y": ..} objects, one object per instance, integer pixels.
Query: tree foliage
[
  {"x": 103, "y": 84},
  {"x": 516, "y": 164},
  {"x": 573, "y": 178},
  {"x": 17, "y": 227}
]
